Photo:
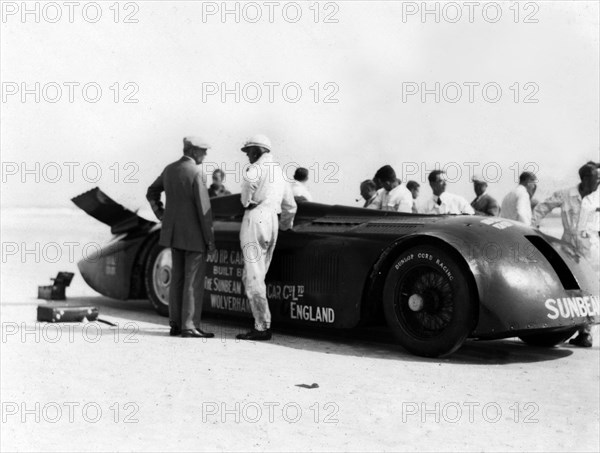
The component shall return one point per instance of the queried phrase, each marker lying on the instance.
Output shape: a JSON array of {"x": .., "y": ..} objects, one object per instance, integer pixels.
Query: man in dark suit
[
  {"x": 187, "y": 228},
  {"x": 484, "y": 204}
]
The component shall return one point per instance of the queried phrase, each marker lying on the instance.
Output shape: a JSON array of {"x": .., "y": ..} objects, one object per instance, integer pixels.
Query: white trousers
[{"x": 258, "y": 236}]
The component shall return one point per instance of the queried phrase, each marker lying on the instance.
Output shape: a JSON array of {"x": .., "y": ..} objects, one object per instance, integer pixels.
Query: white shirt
[
  {"x": 299, "y": 189},
  {"x": 516, "y": 205},
  {"x": 398, "y": 199},
  {"x": 588, "y": 241},
  {"x": 264, "y": 184},
  {"x": 450, "y": 204}
]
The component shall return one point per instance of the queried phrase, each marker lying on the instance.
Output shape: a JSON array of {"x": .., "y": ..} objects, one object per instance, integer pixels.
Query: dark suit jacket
[
  {"x": 187, "y": 218},
  {"x": 486, "y": 205}
]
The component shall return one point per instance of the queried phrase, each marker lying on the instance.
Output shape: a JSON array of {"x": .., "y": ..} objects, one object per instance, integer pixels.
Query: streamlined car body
[{"x": 433, "y": 280}]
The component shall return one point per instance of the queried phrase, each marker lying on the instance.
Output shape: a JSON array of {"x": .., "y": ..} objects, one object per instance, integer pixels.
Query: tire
[
  {"x": 548, "y": 339},
  {"x": 428, "y": 301},
  {"x": 157, "y": 278}
]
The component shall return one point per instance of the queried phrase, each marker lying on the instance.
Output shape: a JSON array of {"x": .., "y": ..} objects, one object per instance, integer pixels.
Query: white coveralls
[
  {"x": 265, "y": 187},
  {"x": 579, "y": 219}
]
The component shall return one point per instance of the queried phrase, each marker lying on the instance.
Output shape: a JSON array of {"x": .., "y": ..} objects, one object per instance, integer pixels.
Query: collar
[
  {"x": 184, "y": 157},
  {"x": 266, "y": 157}
]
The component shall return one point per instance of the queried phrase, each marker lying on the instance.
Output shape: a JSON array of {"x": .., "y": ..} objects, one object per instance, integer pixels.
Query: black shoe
[
  {"x": 583, "y": 340},
  {"x": 205, "y": 334},
  {"x": 193, "y": 333},
  {"x": 255, "y": 335},
  {"x": 175, "y": 331}
]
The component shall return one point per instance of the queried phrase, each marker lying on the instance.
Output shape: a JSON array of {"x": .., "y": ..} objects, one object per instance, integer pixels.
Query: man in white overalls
[{"x": 265, "y": 195}]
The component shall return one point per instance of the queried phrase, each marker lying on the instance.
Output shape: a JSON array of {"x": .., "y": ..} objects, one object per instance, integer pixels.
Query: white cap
[
  {"x": 258, "y": 140},
  {"x": 198, "y": 142},
  {"x": 478, "y": 178}
]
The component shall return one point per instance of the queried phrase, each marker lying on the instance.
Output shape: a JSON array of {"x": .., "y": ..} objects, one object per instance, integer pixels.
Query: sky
[{"x": 341, "y": 88}]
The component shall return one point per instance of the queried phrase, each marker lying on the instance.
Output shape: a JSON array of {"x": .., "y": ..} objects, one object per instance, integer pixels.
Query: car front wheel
[
  {"x": 157, "y": 278},
  {"x": 428, "y": 302}
]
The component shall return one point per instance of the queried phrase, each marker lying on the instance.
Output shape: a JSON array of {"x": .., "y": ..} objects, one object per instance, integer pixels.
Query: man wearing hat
[
  {"x": 579, "y": 211},
  {"x": 484, "y": 203},
  {"x": 265, "y": 195},
  {"x": 188, "y": 230},
  {"x": 516, "y": 205}
]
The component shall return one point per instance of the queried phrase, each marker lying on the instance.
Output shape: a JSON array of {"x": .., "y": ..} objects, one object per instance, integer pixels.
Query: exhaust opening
[{"x": 566, "y": 277}]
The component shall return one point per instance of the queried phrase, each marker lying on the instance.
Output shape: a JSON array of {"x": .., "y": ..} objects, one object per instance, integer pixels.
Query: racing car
[{"x": 433, "y": 280}]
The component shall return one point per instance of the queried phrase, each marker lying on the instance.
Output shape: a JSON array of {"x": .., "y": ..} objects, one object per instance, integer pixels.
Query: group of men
[
  {"x": 386, "y": 192},
  {"x": 270, "y": 204},
  {"x": 188, "y": 230},
  {"x": 579, "y": 206}
]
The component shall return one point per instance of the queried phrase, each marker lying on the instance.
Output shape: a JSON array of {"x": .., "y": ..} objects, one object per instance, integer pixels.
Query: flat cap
[{"x": 196, "y": 141}]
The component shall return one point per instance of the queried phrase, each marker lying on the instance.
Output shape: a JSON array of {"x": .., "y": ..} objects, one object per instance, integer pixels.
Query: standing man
[
  {"x": 217, "y": 188},
  {"x": 265, "y": 194},
  {"x": 368, "y": 191},
  {"x": 414, "y": 187},
  {"x": 580, "y": 225},
  {"x": 516, "y": 205},
  {"x": 187, "y": 228},
  {"x": 393, "y": 195},
  {"x": 484, "y": 203},
  {"x": 444, "y": 202}
]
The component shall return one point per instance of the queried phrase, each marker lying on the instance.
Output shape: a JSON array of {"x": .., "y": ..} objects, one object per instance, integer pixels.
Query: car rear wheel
[
  {"x": 157, "y": 278},
  {"x": 548, "y": 339},
  {"x": 428, "y": 302}
]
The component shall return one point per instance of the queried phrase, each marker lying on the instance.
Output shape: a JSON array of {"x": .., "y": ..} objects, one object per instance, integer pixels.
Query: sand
[{"x": 92, "y": 387}]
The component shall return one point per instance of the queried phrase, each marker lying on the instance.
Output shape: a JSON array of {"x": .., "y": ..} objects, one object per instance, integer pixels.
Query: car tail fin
[
  {"x": 103, "y": 208},
  {"x": 561, "y": 268}
]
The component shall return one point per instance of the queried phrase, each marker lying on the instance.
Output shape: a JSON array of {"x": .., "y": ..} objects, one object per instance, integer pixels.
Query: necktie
[{"x": 439, "y": 201}]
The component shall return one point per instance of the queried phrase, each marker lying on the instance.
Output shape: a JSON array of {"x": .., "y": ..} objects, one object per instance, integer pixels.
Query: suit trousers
[{"x": 187, "y": 288}]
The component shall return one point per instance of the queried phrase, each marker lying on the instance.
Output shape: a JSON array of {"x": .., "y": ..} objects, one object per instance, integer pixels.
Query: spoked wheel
[
  {"x": 428, "y": 302},
  {"x": 158, "y": 278}
]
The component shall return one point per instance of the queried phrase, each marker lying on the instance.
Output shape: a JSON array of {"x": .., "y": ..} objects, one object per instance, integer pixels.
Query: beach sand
[{"x": 132, "y": 387}]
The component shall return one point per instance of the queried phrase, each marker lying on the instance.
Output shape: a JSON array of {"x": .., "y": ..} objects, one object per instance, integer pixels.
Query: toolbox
[
  {"x": 57, "y": 313},
  {"x": 56, "y": 291}
]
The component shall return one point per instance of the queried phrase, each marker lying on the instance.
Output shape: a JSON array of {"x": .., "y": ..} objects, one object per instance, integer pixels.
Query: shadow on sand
[{"x": 372, "y": 343}]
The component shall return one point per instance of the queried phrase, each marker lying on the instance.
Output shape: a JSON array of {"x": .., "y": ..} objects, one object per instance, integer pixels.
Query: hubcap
[
  {"x": 415, "y": 302},
  {"x": 161, "y": 275},
  {"x": 424, "y": 302}
]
